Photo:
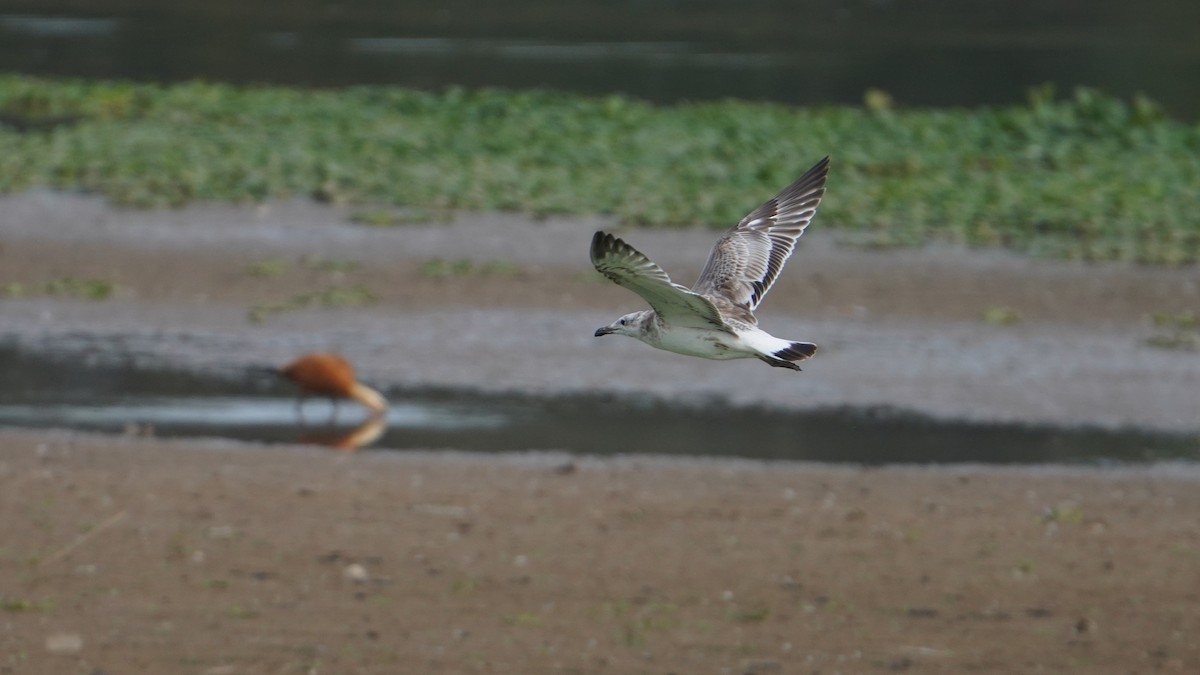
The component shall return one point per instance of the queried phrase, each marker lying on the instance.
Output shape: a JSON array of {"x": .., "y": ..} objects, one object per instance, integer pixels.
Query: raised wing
[
  {"x": 627, "y": 267},
  {"x": 747, "y": 259}
]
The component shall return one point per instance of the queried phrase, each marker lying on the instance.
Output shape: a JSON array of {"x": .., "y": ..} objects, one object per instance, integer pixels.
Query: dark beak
[{"x": 603, "y": 331}]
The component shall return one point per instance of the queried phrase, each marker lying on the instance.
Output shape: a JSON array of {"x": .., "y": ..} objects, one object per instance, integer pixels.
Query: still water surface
[
  {"x": 938, "y": 52},
  {"x": 55, "y": 392}
]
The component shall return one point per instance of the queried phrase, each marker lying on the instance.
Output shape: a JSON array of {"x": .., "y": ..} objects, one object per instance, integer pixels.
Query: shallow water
[
  {"x": 942, "y": 52},
  {"x": 99, "y": 394}
]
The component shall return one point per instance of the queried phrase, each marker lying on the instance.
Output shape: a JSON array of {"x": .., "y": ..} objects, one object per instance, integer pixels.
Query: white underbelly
[{"x": 707, "y": 344}]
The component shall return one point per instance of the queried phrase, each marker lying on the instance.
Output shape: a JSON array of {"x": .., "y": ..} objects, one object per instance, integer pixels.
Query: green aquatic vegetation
[
  {"x": 1185, "y": 320},
  {"x": 748, "y": 614},
  {"x": 1000, "y": 315},
  {"x": 465, "y": 585},
  {"x": 19, "y": 605},
  {"x": 384, "y": 218},
  {"x": 268, "y": 268},
  {"x": 523, "y": 619},
  {"x": 239, "y": 612},
  {"x": 1082, "y": 176},
  {"x": 320, "y": 264},
  {"x": 1023, "y": 568},
  {"x": 438, "y": 268},
  {"x": 84, "y": 289},
  {"x": 1068, "y": 513},
  {"x": 1181, "y": 341},
  {"x": 353, "y": 296},
  {"x": 1178, "y": 331}
]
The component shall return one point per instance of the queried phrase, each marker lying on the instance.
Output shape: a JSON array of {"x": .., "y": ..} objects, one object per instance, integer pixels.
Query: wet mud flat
[
  {"x": 126, "y": 554},
  {"x": 139, "y": 555},
  {"x": 501, "y": 303}
]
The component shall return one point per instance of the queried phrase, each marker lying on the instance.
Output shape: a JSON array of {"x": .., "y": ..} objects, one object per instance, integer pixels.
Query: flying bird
[
  {"x": 328, "y": 374},
  {"x": 715, "y": 318}
]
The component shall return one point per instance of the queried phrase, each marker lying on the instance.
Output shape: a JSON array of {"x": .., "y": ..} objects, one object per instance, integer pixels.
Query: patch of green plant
[
  {"x": 353, "y": 296},
  {"x": 268, "y": 268},
  {"x": 465, "y": 585},
  {"x": 28, "y": 106},
  {"x": 748, "y": 614},
  {"x": 1083, "y": 176},
  {"x": 1188, "y": 341},
  {"x": 85, "y": 289},
  {"x": 1185, "y": 320},
  {"x": 1000, "y": 315},
  {"x": 384, "y": 218},
  {"x": 1178, "y": 331},
  {"x": 877, "y": 241},
  {"x": 526, "y": 619},
  {"x": 239, "y": 612},
  {"x": 1023, "y": 568},
  {"x": 20, "y": 605},
  {"x": 1065, "y": 513},
  {"x": 330, "y": 264},
  {"x": 438, "y": 268},
  {"x": 638, "y": 622}
]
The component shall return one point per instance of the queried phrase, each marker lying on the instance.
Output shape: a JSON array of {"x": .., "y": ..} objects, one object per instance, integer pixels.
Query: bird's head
[{"x": 630, "y": 324}]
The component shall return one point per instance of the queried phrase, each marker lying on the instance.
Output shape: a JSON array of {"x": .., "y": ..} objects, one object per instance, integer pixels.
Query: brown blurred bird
[{"x": 327, "y": 374}]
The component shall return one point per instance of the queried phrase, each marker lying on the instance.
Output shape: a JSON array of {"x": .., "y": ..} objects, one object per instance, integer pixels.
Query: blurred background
[
  {"x": 283, "y": 165},
  {"x": 818, "y": 52}
]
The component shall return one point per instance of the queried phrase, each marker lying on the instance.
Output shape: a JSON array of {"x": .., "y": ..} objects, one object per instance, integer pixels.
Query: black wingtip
[
  {"x": 818, "y": 170},
  {"x": 797, "y": 351},
  {"x": 805, "y": 193},
  {"x": 600, "y": 241},
  {"x": 606, "y": 239},
  {"x": 810, "y": 185},
  {"x": 605, "y": 243}
]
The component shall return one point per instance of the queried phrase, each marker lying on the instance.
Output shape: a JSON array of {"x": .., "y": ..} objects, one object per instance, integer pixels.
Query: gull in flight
[{"x": 715, "y": 319}]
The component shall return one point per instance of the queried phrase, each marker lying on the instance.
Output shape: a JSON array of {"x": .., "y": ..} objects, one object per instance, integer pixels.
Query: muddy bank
[
  {"x": 898, "y": 328},
  {"x": 125, "y": 555}
]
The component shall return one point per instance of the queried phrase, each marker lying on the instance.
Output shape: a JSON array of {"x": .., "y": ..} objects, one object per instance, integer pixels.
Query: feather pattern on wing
[
  {"x": 629, "y": 268},
  {"x": 747, "y": 259}
]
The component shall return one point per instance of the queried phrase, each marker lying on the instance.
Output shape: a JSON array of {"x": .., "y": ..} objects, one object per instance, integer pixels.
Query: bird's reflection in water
[{"x": 347, "y": 440}]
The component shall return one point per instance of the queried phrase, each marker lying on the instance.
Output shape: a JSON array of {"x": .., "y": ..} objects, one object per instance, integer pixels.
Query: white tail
[{"x": 368, "y": 397}]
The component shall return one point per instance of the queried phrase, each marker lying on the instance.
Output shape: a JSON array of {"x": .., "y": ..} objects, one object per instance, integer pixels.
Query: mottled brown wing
[
  {"x": 747, "y": 259},
  {"x": 629, "y": 268}
]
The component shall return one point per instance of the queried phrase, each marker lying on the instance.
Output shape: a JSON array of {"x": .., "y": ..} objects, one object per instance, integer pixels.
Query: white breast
[{"x": 708, "y": 344}]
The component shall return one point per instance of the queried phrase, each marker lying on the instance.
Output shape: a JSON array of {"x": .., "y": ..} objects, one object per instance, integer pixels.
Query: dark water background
[
  {"x": 923, "y": 52},
  {"x": 109, "y": 395}
]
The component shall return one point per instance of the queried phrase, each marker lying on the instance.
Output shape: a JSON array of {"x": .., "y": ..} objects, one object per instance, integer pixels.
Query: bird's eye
[{"x": 622, "y": 322}]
